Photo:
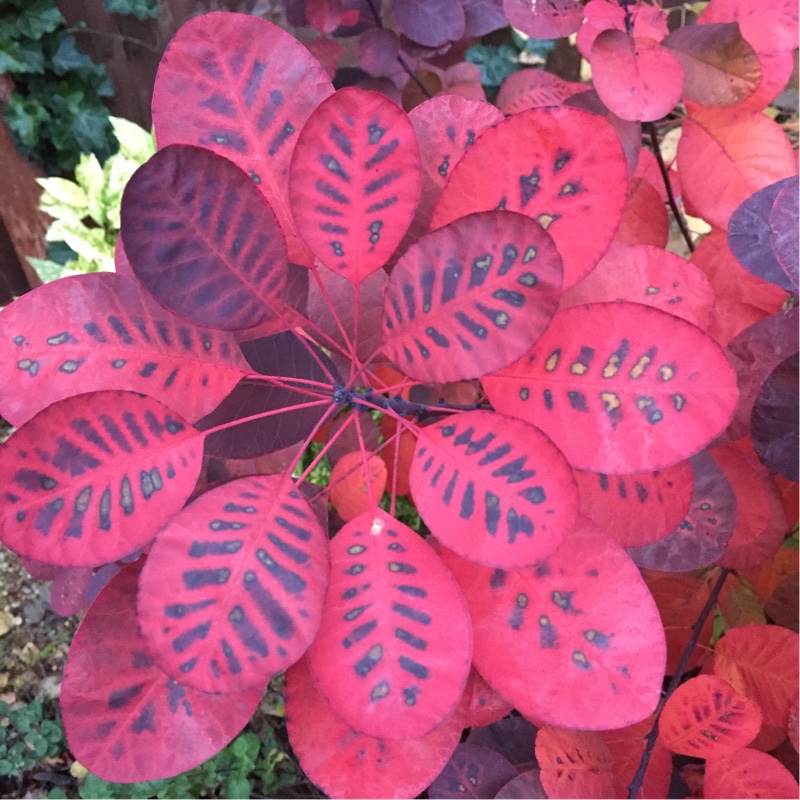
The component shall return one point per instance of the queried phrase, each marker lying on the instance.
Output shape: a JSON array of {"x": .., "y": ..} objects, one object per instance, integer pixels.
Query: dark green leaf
[
  {"x": 39, "y": 18},
  {"x": 496, "y": 63},
  {"x": 67, "y": 56},
  {"x": 143, "y": 9}
]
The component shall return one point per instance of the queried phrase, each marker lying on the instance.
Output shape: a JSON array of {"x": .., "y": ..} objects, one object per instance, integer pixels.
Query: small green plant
[
  {"x": 86, "y": 210},
  {"x": 26, "y": 737},
  {"x": 143, "y": 9}
]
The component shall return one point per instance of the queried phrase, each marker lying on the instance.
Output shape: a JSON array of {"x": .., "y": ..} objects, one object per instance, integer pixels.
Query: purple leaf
[{"x": 430, "y": 22}]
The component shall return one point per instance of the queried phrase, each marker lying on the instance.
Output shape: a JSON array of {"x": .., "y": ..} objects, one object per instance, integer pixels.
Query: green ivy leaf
[
  {"x": 143, "y": 9},
  {"x": 496, "y": 63},
  {"x": 68, "y": 57},
  {"x": 40, "y": 17},
  {"x": 238, "y": 787}
]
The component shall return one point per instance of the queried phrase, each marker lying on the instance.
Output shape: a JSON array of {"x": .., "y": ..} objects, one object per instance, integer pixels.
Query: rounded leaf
[
  {"x": 472, "y": 771},
  {"x": 493, "y": 489},
  {"x": 248, "y": 108},
  {"x": 87, "y": 333},
  {"x": 395, "y": 643},
  {"x": 471, "y": 297},
  {"x": 350, "y": 494},
  {"x": 125, "y": 719},
  {"x": 574, "y": 763},
  {"x": 749, "y": 774},
  {"x": 234, "y": 584},
  {"x": 575, "y": 641},
  {"x": 485, "y": 704},
  {"x": 562, "y": 166},
  {"x": 706, "y": 718},
  {"x": 545, "y": 19},
  {"x": 533, "y": 88},
  {"x": 92, "y": 478},
  {"x": 355, "y": 180},
  {"x": 620, "y": 387},
  {"x": 430, "y": 22},
  {"x": 783, "y": 234}
]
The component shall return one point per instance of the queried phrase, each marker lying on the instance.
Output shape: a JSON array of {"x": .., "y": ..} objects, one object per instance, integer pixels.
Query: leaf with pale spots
[
  {"x": 575, "y": 641},
  {"x": 242, "y": 87},
  {"x": 620, "y": 387},
  {"x": 354, "y": 181},
  {"x": 92, "y": 478},
  {"x": 395, "y": 643},
  {"x": 204, "y": 241},
  {"x": 493, "y": 488},
  {"x": 472, "y": 771},
  {"x": 88, "y": 333},
  {"x": 470, "y": 297},
  {"x": 706, "y": 718},
  {"x": 246, "y": 564},
  {"x": 344, "y": 762},
  {"x": 562, "y": 166},
  {"x": 699, "y": 539},
  {"x": 125, "y": 719}
]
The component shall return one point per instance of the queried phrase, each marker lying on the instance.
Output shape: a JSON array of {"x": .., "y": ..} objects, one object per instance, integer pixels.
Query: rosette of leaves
[
  {"x": 86, "y": 211},
  {"x": 56, "y": 111},
  {"x": 26, "y": 737},
  {"x": 139, "y": 395}
]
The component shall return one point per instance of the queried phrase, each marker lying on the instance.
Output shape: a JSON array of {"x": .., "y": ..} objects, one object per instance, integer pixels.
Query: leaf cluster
[{"x": 27, "y": 736}]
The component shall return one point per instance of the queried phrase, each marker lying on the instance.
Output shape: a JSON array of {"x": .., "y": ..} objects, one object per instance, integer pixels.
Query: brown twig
[{"x": 638, "y": 778}]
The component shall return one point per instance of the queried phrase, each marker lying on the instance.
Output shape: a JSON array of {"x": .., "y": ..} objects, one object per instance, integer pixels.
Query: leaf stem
[
  {"x": 636, "y": 784},
  {"x": 680, "y": 219}
]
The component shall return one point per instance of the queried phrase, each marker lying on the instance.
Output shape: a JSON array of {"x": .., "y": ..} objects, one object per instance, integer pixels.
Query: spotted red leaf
[
  {"x": 92, "y": 478},
  {"x": 395, "y": 643},
  {"x": 471, "y": 297},
  {"x": 125, "y": 719},
  {"x": 620, "y": 387},
  {"x": 355, "y": 180},
  {"x": 562, "y": 166},
  {"x": 203, "y": 239},
  {"x": 233, "y": 589},
  {"x": 472, "y": 771},
  {"x": 649, "y": 275},
  {"x": 92, "y": 332},
  {"x": 574, "y": 763},
  {"x": 493, "y": 488},
  {"x": 575, "y": 641},
  {"x": 701, "y": 537},
  {"x": 749, "y": 773},
  {"x": 706, "y": 718},
  {"x": 347, "y": 763},
  {"x": 242, "y": 87},
  {"x": 545, "y": 19},
  {"x": 486, "y": 705},
  {"x": 638, "y": 508}
]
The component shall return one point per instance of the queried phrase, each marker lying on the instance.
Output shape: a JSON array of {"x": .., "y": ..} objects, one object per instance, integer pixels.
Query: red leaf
[
  {"x": 246, "y": 565},
  {"x": 769, "y": 26},
  {"x": 749, "y": 773},
  {"x": 430, "y": 22},
  {"x": 639, "y": 508},
  {"x": 706, "y": 718},
  {"x": 356, "y": 156},
  {"x": 378, "y": 52},
  {"x": 721, "y": 67},
  {"x": 348, "y": 488},
  {"x": 203, "y": 240},
  {"x": 575, "y": 641},
  {"x": 645, "y": 221},
  {"x": 636, "y": 78},
  {"x": 92, "y": 332},
  {"x": 407, "y": 444},
  {"x": 574, "y": 763},
  {"x": 545, "y": 19},
  {"x": 125, "y": 719},
  {"x": 248, "y": 108},
  {"x": 91, "y": 478},
  {"x": 561, "y": 166},
  {"x": 700, "y": 539},
  {"x": 327, "y": 52},
  {"x": 325, "y": 15},
  {"x": 534, "y": 88},
  {"x": 69, "y": 591},
  {"x": 665, "y": 388},
  {"x": 471, "y": 297},
  {"x": 511, "y": 488},
  {"x": 725, "y": 156},
  {"x": 395, "y": 643},
  {"x": 761, "y": 662},
  {"x": 347, "y": 763},
  {"x": 485, "y": 704},
  {"x": 601, "y": 15},
  {"x": 472, "y": 771},
  {"x": 648, "y": 275}
]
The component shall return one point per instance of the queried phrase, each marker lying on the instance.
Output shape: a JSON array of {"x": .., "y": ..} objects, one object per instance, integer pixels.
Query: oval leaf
[
  {"x": 534, "y": 88},
  {"x": 645, "y": 221},
  {"x": 356, "y": 157},
  {"x": 470, "y": 297},
  {"x": 472, "y": 771},
  {"x": 783, "y": 233},
  {"x": 395, "y": 643},
  {"x": 347, "y": 763},
  {"x": 430, "y": 22},
  {"x": 233, "y": 589},
  {"x": 575, "y": 641},
  {"x": 749, "y": 773},
  {"x": 574, "y": 763},
  {"x": 203, "y": 240},
  {"x": 92, "y": 332},
  {"x": 545, "y": 19},
  {"x": 706, "y": 718},
  {"x": 125, "y": 719},
  {"x": 562, "y": 166},
  {"x": 485, "y": 704},
  {"x": 620, "y": 387},
  {"x": 92, "y": 478},
  {"x": 248, "y": 108},
  {"x": 510, "y": 487},
  {"x": 349, "y": 492}
]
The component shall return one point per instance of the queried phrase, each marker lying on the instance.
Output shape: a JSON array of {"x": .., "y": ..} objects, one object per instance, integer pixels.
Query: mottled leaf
[
  {"x": 573, "y": 763},
  {"x": 472, "y": 771},
  {"x": 534, "y": 88},
  {"x": 92, "y": 478},
  {"x": 493, "y": 489}
]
